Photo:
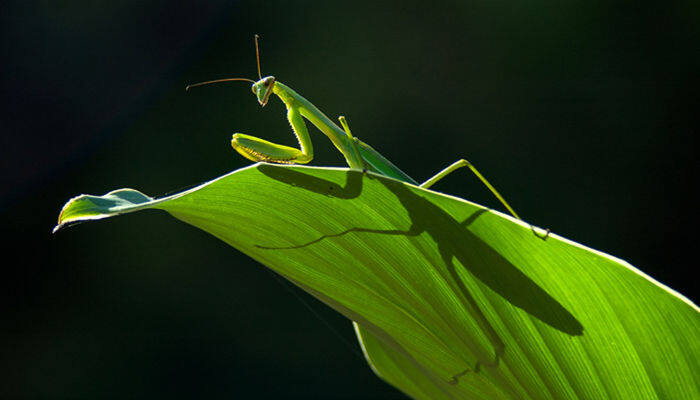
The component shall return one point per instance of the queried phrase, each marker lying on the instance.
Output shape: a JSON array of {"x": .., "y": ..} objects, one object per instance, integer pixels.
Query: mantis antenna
[
  {"x": 217, "y": 81},
  {"x": 257, "y": 58},
  {"x": 257, "y": 54}
]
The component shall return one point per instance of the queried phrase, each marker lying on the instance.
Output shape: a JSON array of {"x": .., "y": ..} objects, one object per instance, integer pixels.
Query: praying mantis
[{"x": 358, "y": 154}]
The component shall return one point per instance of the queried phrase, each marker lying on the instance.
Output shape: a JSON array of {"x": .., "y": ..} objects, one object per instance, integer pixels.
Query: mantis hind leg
[{"x": 464, "y": 163}]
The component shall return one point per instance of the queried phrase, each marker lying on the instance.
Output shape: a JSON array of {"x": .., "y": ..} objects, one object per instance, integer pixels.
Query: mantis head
[{"x": 263, "y": 89}]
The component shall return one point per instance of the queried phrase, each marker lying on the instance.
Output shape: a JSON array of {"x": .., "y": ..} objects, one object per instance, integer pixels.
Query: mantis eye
[{"x": 269, "y": 81}]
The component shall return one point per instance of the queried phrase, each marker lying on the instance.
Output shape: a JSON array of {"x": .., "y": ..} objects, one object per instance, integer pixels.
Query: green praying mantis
[{"x": 358, "y": 154}]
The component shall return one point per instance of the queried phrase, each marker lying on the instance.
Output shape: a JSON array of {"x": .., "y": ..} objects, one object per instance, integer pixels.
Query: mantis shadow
[{"x": 454, "y": 241}]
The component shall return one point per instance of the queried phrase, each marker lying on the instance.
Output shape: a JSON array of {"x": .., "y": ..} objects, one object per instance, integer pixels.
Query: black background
[{"x": 582, "y": 113}]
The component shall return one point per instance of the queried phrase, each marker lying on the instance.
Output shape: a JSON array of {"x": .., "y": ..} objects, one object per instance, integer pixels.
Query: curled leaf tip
[{"x": 88, "y": 207}]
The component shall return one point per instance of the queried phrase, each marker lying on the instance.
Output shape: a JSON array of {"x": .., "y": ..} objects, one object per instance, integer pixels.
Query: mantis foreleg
[{"x": 257, "y": 149}]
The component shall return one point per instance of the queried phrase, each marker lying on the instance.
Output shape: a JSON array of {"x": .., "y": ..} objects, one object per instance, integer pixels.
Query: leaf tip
[{"x": 87, "y": 207}]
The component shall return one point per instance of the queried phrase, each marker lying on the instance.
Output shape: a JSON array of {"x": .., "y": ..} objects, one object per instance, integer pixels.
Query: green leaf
[{"x": 451, "y": 300}]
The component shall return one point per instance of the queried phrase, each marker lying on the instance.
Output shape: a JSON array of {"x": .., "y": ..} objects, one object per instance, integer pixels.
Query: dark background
[{"x": 582, "y": 113}]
